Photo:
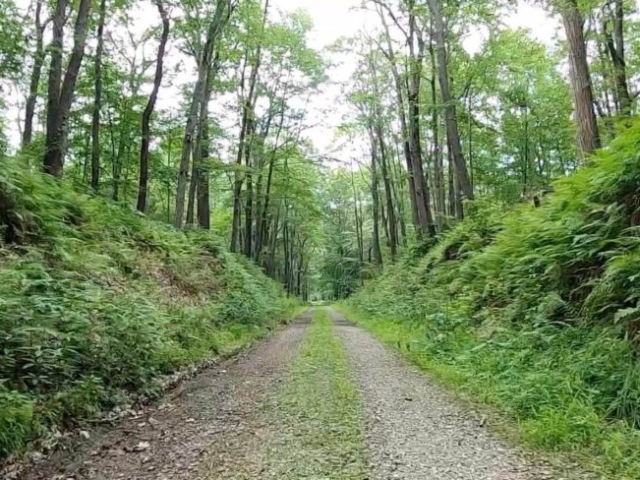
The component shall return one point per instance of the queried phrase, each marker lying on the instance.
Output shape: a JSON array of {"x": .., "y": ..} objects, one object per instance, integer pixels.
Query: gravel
[
  {"x": 203, "y": 430},
  {"x": 414, "y": 430},
  {"x": 216, "y": 426}
]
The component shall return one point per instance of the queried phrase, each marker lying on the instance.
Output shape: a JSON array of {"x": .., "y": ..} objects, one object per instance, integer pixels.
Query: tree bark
[
  {"x": 34, "y": 83},
  {"x": 391, "y": 216},
  {"x": 244, "y": 148},
  {"x": 59, "y": 114},
  {"x": 377, "y": 253},
  {"x": 400, "y": 101},
  {"x": 413, "y": 100},
  {"x": 615, "y": 47},
  {"x": 438, "y": 163},
  {"x": 54, "y": 82},
  {"x": 451, "y": 122},
  {"x": 203, "y": 207},
  {"x": 588, "y": 136},
  {"x": 97, "y": 101},
  {"x": 148, "y": 111}
]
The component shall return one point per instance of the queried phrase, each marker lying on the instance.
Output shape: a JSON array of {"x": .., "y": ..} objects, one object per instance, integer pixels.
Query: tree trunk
[
  {"x": 148, "y": 111},
  {"x": 246, "y": 130},
  {"x": 239, "y": 180},
  {"x": 451, "y": 122},
  {"x": 34, "y": 83},
  {"x": 203, "y": 207},
  {"x": 221, "y": 16},
  {"x": 97, "y": 101},
  {"x": 615, "y": 47},
  {"x": 375, "y": 197},
  {"x": 390, "y": 54},
  {"x": 413, "y": 100},
  {"x": 438, "y": 167},
  {"x": 452, "y": 190},
  {"x": 57, "y": 131},
  {"x": 193, "y": 183},
  {"x": 391, "y": 216},
  {"x": 588, "y": 136},
  {"x": 248, "y": 206},
  {"x": 54, "y": 83}
]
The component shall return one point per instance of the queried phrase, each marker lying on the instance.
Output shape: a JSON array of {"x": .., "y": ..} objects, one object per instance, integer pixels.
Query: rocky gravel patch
[{"x": 413, "y": 429}]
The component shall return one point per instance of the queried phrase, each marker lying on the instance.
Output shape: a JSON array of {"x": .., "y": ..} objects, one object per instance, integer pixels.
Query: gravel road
[
  {"x": 203, "y": 430},
  {"x": 413, "y": 429},
  {"x": 216, "y": 426}
]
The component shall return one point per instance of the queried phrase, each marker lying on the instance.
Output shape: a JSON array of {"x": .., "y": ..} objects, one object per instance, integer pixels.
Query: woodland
[{"x": 478, "y": 210}]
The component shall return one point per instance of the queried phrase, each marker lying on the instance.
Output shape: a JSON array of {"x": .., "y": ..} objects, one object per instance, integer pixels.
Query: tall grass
[{"x": 97, "y": 302}]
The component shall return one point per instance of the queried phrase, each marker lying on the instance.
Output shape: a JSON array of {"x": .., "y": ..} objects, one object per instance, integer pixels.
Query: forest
[{"x": 163, "y": 198}]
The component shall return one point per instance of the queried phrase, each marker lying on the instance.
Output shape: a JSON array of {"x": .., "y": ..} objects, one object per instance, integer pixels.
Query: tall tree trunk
[
  {"x": 261, "y": 233},
  {"x": 34, "y": 83},
  {"x": 55, "y": 82},
  {"x": 391, "y": 216},
  {"x": 58, "y": 117},
  {"x": 203, "y": 207},
  {"x": 413, "y": 100},
  {"x": 437, "y": 152},
  {"x": 97, "y": 101},
  {"x": 224, "y": 9},
  {"x": 588, "y": 136},
  {"x": 148, "y": 111},
  {"x": 193, "y": 183},
  {"x": 452, "y": 189},
  {"x": 615, "y": 47},
  {"x": 239, "y": 179},
  {"x": 375, "y": 207},
  {"x": 248, "y": 206},
  {"x": 400, "y": 101},
  {"x": 398, "y": 200},
  {"x": 244, "y": 148},
  {"x": 376, "y": 136},
  {"x": 451, "y": 122}
]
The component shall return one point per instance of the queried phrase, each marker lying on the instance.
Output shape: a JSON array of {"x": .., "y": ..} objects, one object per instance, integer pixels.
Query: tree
[
  {"x": 97, "y": 103},
  {"x": 60, "y": 93},
  {"x": 588, "y": 135},
  {"x": 221, "y": 15},
  {"x": 148, "y": 111},
  {"x": 36, "y": 72}
]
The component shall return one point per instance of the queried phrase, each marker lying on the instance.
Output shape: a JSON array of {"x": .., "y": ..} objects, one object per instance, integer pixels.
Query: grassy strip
[
  {"x": 319, "y": 413},
  {"x": 571, "y": 431}
]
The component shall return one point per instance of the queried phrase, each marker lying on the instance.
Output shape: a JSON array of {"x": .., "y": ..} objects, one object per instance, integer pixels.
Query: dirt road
[{"x": 320, "y": 400}]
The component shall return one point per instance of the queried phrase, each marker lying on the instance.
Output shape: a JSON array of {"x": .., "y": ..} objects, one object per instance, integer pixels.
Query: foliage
[
  {"x": 535, "y": 311},
  {"x": 97, "y": 302}
]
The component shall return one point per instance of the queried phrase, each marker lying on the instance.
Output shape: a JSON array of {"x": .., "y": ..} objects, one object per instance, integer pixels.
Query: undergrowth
[
  {"x": 536, "y": 311},
  {"x": 97, "y": 302}
]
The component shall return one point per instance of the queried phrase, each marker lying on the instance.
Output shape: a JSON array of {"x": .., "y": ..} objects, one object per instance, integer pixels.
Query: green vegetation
[
  {"x": 200, "y": 114},
  {"x": 97, "y": 302},
  {"x": 319, "y": 413},
  {"x": 535, "y": 311}
]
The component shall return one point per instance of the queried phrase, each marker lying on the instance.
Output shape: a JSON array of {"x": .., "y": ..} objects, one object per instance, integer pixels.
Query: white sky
[{"x": 332, "y": 19}]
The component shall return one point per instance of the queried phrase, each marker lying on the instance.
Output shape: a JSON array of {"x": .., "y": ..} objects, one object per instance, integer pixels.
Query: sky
[{"x": 332, "y": 20}]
